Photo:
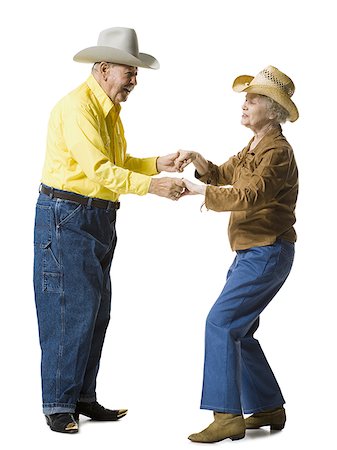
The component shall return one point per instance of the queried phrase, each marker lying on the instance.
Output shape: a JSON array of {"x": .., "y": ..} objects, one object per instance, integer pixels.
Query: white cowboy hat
[
  {"x": 117, "y": 45},
  {"x": 272, "y": 83}
]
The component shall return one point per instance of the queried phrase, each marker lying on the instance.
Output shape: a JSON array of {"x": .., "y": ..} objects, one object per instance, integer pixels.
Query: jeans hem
[
  {"x": 264, "y": 408},
  {"x": 57, "y": 408},
  {"x": 221, "y": 410}
]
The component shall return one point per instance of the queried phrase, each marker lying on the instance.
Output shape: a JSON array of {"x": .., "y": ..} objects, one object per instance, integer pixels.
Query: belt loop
[
  {"x": 40, "y": 188},
  {"x": 51, "y": 194},
  {"x": 109, "y": 206},
  {"x": 89, "y": 202}
]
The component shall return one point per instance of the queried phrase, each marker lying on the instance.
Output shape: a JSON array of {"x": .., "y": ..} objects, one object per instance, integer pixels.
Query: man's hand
[
  {"x": 167, "y": 187},
  {"x": 167, "y": 163}
]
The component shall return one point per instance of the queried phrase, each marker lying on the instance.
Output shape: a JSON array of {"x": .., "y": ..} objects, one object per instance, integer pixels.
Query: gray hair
[{"x": 281, "y": 114}]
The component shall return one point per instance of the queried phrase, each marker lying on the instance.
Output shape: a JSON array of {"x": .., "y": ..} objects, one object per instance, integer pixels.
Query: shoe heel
[
  {"x": 237, "y": 437},
  {"x": 277, "y": 427}
]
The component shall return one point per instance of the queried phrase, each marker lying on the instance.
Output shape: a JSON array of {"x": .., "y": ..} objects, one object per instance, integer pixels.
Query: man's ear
[{"x": 103, "y": 69}]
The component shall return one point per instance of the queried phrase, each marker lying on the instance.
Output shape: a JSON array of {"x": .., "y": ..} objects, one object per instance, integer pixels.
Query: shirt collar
[
  {"x": 269, "y": 137},
  {"x": 105, "y": 102}
]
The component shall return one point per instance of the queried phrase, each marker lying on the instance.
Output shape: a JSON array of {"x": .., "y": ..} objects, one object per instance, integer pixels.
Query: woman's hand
[
  {"x": 184, "y": 159},
  {"x": 193, "y": 189}
]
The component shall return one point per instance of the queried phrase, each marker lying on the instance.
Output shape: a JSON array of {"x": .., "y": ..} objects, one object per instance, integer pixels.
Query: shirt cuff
[
  {"x": 210, "y": 177},
  {"x": 149, "y": 166},
  {"x": 215, "y": 199}
]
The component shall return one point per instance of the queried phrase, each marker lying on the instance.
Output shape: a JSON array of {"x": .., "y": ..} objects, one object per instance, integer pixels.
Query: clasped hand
[
  {"x": 174, "y": 188},
  {"x": 183, "y": 160}
]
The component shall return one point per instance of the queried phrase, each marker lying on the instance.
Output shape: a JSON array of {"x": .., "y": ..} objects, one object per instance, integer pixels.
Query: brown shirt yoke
[{"x": 261, "y": 192}]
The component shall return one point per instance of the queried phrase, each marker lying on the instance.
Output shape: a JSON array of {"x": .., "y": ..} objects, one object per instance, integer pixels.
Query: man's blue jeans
[
  {"x": 237, "y": 376},
  {"x": 74, "y": 246}
]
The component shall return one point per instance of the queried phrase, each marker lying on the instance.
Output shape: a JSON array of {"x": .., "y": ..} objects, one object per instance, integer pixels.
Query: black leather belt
[{"x": 81, "y": 199}]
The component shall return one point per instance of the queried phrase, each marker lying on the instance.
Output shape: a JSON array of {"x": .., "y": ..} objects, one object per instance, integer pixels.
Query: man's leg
[
  {"x": 88, "y": 390},
  {"x": 68, "y": 278}
]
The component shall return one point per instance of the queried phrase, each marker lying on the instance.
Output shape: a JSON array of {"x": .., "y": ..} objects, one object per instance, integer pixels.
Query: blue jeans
[
  {"x": 74, "y": 246},
  {"x": 237, "y": 376}
]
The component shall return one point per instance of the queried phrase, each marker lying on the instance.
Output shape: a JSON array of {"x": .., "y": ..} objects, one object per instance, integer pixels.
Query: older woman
[{"x": 261, "y": 191}]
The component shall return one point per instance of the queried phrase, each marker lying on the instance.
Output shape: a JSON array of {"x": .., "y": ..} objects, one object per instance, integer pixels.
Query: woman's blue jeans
[
  {"x": 74, "y": 246},
  {"x": 237, "y": 376}
]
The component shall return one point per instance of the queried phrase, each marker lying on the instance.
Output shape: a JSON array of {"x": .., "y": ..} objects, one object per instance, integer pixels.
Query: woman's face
[{"x": 255, "y": 113}]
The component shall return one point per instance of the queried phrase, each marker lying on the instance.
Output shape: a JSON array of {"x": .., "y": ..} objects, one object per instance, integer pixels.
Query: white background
[{"x": 171, "y": 259}]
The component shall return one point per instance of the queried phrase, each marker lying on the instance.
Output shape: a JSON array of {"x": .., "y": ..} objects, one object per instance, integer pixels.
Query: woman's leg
[{"x": 254, "y": 279}]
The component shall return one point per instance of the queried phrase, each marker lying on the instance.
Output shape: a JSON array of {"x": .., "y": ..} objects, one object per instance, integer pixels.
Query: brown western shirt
[{"x": 261, "y": 188}]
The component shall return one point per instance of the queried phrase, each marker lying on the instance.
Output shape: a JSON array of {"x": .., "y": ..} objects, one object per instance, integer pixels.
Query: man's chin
[{"x": 122, "y": 98}]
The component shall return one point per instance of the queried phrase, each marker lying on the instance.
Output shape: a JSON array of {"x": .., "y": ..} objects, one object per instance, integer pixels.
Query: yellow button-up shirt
[{"x": 86, "y": 148}]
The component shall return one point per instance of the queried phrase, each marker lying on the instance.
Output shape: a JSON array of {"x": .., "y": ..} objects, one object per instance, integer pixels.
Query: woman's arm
[{"x": 206, "y": 171}]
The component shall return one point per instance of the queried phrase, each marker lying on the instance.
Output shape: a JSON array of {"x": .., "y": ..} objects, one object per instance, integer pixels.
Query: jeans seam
[
  {"x": 62, "y": 313},
  {"x": 59, "y": 202}
]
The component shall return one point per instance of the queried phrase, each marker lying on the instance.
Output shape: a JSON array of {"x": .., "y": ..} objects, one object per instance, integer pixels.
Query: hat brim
[
  {"x": 242, "y": 84},
  {"x": 114, "y": 55}
]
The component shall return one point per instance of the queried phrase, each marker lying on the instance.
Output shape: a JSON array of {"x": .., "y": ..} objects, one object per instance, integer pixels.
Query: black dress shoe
[
  {"x": 62, "y": 423},
  {"x": 97, "y": 412}
]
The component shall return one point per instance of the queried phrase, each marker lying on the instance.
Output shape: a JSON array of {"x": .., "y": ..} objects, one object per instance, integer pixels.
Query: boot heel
[
  {"x": 237, "y": 437},
  {"x": 277, "y": 426}
]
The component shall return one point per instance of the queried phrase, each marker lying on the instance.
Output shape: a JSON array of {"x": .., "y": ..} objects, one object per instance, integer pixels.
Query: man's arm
[
  {"x": 81, "y": 133},
  {"x": 152, "y": 166},
  {"x": 86, "y": 146}
]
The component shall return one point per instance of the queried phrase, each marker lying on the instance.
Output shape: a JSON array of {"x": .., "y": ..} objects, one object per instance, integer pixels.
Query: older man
[{"x": 86, "y": 169}]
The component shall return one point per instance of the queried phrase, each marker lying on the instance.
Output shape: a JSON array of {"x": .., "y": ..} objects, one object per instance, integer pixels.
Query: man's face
[{"x": 120, "y": 81}]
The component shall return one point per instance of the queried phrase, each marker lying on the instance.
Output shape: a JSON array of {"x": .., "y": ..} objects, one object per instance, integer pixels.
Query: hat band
[{"x": 287, "y": 90}]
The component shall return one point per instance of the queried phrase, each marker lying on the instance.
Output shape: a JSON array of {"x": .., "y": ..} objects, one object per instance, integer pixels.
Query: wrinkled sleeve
[
  {"x": 265, "y": 182},
  {"x": 146, "y": 166},
  {"x": 219, "y": 175},
  {"x": 82, "y": 138}
]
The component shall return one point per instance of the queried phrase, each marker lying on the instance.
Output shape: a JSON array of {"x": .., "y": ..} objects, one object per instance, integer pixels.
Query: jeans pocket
[
  {"x": 52, "y": 278},
  {"x": 65, "y": 211},
  {"x": 50, "y": 260},
  {"x": 52, "y": 282}
]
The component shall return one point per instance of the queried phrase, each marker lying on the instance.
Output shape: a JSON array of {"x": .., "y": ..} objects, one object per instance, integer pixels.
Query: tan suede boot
[
  {"x": 275, "y": 418},
  {"x": 224, "y": 426}
]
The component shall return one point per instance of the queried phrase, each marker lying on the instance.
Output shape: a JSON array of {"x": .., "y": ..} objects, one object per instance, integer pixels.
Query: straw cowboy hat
[
  {"x": 272, "y": 83},
  {"x": 117, "y": 45}
]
